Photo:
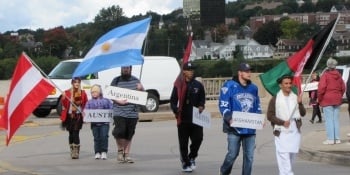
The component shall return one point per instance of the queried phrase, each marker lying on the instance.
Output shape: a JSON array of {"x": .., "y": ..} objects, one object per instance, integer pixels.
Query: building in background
[
  {"x": 212, "y": 12},
  {"x": 191, "y": 8},
  {"x": 208, "y": 12}
]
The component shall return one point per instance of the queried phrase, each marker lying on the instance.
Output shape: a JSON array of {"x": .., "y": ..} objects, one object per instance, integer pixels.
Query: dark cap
[
  {"x": 76, "y": 78},
  {"x": 126, "y": 67},
  {"x": 244, "y": 67},
  {"x": 280, "y": 79},
  {"x": 188, "y": 66}
]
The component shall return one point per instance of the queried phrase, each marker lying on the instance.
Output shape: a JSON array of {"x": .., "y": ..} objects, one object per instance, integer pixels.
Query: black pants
[
  {"x": 74, "y": 137},
  {"x": 316, "y": 111},
  {"x": 185, "y": 132}
]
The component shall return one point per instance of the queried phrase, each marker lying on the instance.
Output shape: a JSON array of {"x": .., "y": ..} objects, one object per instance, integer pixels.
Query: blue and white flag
[{"x": 119, "y": 47}]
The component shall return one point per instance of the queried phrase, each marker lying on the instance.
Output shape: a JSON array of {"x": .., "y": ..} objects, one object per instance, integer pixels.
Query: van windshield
[{"x": 64, "y": 70}]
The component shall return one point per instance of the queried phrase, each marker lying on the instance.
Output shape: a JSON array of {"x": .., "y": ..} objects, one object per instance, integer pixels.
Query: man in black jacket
[{"x": 187, "y": 94}]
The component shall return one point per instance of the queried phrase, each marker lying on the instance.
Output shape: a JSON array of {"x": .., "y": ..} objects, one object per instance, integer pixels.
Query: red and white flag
[{"x": 27, "y": 90}]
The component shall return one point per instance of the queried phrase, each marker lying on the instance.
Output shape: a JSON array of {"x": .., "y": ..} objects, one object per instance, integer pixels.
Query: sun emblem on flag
[{"x": 106, "y": 47}]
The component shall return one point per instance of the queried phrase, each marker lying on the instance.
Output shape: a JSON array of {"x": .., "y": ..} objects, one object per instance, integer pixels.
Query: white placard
[
  {"x": 309, "y": 86},
  {"x": 202, "y": 119},
  {"x": 247, "y": 120},
  {"x": 132, "y": 96},
  {"x": 98, "y": 115}
]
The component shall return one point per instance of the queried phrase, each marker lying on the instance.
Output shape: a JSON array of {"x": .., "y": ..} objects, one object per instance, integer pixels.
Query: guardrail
[{"x": 212, "y": 85}]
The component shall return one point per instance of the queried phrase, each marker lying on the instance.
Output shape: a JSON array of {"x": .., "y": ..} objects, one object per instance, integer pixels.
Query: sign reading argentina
[
  {"x": 132, "y": 96},
  {"x": 247, "y": 120},
  {"x": 98, "y": 115},
  {"x": 202, "y": 119}
]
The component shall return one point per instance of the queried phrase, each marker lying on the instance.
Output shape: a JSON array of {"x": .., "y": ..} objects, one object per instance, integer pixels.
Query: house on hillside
[
  {"x": 287, "y": 47},
  {"x": 204, "y": 49}
]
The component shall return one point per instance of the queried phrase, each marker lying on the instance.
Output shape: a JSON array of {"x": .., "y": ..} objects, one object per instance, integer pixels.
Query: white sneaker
[
  {"x": 104, "y": 155},
  {"x": 97, "y": 156},
  {"x": 337, "y": 141},
  {"x": 186, "y": 168},
  {"x": 193, "y": 164},
  {"x": 348, "y": 134}
]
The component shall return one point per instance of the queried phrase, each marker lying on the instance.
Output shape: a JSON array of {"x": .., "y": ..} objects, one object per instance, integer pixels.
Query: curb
[
  {"x": 312, "y": 148},
  {"x": 324, "y": 157}
]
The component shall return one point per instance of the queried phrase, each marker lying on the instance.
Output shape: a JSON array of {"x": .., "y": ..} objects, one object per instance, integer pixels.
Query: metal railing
[{"x": 212, "y": 85}]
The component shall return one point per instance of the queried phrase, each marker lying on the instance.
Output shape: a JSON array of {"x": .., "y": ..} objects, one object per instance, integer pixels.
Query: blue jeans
[
  {"x": 100, "y": 133},
  {"x": 234, "y": 145},
  {"x": 331, "y": 115}
]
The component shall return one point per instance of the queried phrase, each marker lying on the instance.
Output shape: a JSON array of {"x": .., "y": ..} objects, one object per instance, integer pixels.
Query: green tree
[
  {"x": 307, "y": 7},
  {"x": 307, "y": 31},
  {"x": 268, "y": 33},
  {"x": 7, "y": 66},
  {"x": 219, "y": 33},
  {"x": 290, "y": 28},
  {"x": 109, "y": 18}
]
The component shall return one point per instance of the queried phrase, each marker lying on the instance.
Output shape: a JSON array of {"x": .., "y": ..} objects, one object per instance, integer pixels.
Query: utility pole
[{"x": 169, "y": 46}]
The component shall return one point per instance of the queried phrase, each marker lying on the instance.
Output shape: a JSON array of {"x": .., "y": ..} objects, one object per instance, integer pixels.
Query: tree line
[{"x": 48, "y": 47}]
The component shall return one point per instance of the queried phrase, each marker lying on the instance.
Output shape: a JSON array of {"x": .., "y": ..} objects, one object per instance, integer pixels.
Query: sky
[{"x": 47, "y": 14}]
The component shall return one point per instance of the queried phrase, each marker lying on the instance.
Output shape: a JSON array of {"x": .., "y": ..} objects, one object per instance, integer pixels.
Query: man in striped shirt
[{"x": 125, "y": 114}]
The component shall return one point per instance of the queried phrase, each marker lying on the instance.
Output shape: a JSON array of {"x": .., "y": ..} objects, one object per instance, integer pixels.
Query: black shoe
[
  {"x": 311, "y": 121},
  {"x": 319, "y": 121}
]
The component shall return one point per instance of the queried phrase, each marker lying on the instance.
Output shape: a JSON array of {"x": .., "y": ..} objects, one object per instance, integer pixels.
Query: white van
[
  {"x": 157, "y": 75},
  {"x": 344, "y": 70}
]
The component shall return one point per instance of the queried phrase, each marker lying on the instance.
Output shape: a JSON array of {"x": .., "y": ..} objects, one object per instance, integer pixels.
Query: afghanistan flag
[{"x": 294, "y": 65}]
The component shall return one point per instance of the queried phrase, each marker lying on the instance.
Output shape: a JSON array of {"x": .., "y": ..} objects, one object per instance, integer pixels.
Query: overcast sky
[{"x": 46, "y": 14}]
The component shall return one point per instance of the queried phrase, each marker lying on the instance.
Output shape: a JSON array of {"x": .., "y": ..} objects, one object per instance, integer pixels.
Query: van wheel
[
  {"x": 59, "y": 108},
  {"x": 41, "y": 113},
  {"x": 152, "y": 104}
]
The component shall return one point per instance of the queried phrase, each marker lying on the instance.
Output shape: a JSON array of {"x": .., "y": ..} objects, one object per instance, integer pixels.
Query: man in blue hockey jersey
[{"x": 239, "y": 94}]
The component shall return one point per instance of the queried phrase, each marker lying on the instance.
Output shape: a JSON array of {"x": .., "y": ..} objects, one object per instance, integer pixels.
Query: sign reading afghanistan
[{"x": 247, "y": 120}]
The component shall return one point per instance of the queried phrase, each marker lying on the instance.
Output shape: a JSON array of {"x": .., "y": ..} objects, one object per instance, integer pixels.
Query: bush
[{"x": 7, "y": 65}]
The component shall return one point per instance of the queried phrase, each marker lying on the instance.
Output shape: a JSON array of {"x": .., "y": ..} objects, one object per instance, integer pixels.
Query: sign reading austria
[{"x": 98, "y": 115}]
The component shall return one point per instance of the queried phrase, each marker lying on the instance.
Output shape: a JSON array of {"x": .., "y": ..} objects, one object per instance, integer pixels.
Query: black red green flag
[{"x": 294, "y": 65}]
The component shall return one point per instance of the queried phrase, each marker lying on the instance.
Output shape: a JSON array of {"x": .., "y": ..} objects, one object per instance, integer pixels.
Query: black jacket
[{"x": 194, "y": 96}]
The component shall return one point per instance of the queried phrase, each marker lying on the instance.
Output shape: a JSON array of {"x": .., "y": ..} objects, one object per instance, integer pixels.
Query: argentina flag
[{"x": 119, "y": 47}]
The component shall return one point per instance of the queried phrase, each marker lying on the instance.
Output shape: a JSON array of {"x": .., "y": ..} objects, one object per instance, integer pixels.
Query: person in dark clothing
[
  {"x": 313, "y": 100},
  {"x": 188, "y": 93}
]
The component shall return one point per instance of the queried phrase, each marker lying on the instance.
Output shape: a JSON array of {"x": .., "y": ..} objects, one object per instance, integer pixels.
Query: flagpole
[
  {"x": 47, "y": 77},
  {"x": 321, "y": 53},
  {"x": 144, "y": 49}
]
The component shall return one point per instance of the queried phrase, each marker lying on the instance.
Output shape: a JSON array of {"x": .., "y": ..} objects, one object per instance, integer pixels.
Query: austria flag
[
  {"x": 294, "y": 65},
  {"x": 27, "y": 90}
]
